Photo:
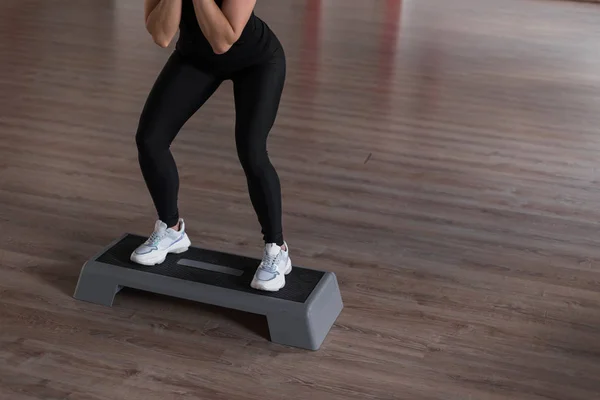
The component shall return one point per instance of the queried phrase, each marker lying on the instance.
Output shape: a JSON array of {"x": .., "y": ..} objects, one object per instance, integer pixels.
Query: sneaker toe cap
[
  {"x": 142, "y": 250},
  {"x": 264, "y": 275}
]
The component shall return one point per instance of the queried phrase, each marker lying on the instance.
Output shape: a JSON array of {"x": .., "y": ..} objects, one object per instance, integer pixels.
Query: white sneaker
[
  {"x": 271, "y": 272},
  {"x": 162, "y": 242}
]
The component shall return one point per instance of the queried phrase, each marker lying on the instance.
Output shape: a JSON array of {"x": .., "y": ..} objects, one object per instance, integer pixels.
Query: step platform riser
[{"x": 300, "y": 315}]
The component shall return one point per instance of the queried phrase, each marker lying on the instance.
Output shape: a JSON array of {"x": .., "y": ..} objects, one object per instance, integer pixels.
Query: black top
[{"x": 256, "y": 42}]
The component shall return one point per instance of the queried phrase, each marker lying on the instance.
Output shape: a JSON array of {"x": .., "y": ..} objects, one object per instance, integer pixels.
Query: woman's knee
[
  {"x": 149, "y": 141},
  {"x": 254, "y": 159}
]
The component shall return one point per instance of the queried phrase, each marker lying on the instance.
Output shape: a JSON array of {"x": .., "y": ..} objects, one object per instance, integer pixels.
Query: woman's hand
[
  {"x": 162, "y": 19},
  {"x": 223, "y": 27}
]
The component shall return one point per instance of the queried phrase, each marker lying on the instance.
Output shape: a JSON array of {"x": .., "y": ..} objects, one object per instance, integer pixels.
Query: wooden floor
[{"x": 441, "y": 157}]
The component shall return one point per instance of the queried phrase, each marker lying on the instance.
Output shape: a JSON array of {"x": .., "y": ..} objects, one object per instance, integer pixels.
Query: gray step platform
[{"x": 300, "y": 315}]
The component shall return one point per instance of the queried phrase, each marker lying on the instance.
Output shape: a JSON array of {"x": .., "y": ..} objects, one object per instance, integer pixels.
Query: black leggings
[{"x": 180, "y": 90}]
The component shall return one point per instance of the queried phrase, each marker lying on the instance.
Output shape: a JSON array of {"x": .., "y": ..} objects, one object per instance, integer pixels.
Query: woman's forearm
[
  {"x": 222, "y": 28},
  {"x": 215, "y": 26},
  {"x": 162, "y": 20}
]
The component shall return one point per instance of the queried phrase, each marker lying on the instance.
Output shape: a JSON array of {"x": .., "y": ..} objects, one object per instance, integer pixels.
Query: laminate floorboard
[{"x": 441, "y": 157}]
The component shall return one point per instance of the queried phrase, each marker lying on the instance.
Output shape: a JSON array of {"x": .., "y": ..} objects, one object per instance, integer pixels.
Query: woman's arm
[
  {"x": 162, "y": 19},
  {"x": 223, "y": 27}
]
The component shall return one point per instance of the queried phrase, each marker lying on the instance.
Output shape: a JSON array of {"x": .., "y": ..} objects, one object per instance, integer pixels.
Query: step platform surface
[{"x": 300, "y": 315}]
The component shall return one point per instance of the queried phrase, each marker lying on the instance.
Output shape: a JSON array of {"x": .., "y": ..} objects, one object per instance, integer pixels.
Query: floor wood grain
[{"x": 441, "y": 157}]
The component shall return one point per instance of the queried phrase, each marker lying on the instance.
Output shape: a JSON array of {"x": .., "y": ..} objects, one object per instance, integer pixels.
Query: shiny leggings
[{"x": 179, "y": 91}]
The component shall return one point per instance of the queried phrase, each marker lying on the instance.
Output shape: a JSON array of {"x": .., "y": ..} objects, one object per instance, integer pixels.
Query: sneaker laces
[
  {"x": 156, "y": 237},
  {"x": 269, "y": 262}
]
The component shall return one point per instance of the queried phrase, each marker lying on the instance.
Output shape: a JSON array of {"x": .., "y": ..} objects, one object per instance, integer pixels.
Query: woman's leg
[
  {"x": 179, "y": 91},
  {"x": 257, "y": 93}
]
